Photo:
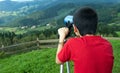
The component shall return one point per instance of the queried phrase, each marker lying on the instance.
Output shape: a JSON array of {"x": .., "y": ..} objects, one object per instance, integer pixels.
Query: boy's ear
[
  {"x": 75, "y": 28},
  {"x": 76, "y": 31}
]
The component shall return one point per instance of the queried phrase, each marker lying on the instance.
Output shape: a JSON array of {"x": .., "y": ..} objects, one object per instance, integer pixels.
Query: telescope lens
[{"x": 68, "y": 19}]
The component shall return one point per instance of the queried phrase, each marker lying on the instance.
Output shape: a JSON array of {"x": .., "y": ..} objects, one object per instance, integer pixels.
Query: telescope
[{"x": 68, "y": 21}]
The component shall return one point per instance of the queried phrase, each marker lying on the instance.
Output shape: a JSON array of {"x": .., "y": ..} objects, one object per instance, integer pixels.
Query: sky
[
  {"x": 1, "y": 0},
  {"x": 19, "y": 0},
  {"x": 22, "y": 0}
]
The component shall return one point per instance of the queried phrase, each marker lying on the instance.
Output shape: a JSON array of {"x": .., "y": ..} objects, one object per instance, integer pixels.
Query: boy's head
[{"x": 86, "y": 19}]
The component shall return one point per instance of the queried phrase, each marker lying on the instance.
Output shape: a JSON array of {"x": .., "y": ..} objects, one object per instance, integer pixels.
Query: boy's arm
[
  {"x": 60, "y": 46},
  {"x": 62, "y": 34}
]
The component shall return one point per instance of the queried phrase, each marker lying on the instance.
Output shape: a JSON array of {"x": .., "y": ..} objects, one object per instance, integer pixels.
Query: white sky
[
  {"x": 22, "y": 0},
  {"x": 19, "y": 0},
  {"x": 1, "y": 0}
]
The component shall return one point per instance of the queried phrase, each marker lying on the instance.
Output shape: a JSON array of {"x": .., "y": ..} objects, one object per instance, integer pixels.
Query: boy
[{"x": 89, "y": 53}]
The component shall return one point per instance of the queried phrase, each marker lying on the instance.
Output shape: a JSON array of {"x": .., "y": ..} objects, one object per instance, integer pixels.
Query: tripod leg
[
  {"x": 68, "y": 67},
  {"x": 61, "y": 68}
]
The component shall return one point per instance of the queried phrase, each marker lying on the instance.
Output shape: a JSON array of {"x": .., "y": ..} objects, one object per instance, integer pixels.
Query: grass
[
  {"x": 43, "y": 61},
  {"x": 39, "y": 61},
  {"x": 116, "y": 47},
  {"x": 118, "y": 33}
]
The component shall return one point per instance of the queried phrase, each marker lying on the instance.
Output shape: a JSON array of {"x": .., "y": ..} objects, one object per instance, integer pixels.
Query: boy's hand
[{"x": 63, "y": 32}]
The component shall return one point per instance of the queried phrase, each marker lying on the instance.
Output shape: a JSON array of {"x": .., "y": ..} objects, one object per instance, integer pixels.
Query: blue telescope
[{"x": 68, "y": 21}]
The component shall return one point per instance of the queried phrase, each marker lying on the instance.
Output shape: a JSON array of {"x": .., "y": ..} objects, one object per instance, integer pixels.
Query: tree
[{"x": 105, "y": 30}]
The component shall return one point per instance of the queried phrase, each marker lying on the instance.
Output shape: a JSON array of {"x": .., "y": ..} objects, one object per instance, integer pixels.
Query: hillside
[
  {"x": 49, "y": 15},
  {"x": 9, "y": 5},
  {"x": 90, "y": 1},
  {"x": 10, "y": 10},
  {"x": 108, "y": 13},
  {"x": 43, "y": 61},
  {"x": 39, "y": 61}
]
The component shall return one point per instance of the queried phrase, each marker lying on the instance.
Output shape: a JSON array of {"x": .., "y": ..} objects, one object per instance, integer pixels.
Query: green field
[
  {"x": 19, "y": 30},
  {"x": 116, "y": 47},
  {"x": 118, "y": 33},
  {"x": 43, "y": 61}
]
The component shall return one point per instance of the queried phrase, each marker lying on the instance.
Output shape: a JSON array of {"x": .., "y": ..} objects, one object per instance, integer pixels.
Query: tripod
[{"x": 62, "y": 67}]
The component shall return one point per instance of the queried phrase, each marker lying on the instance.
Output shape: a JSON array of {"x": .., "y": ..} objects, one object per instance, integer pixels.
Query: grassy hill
[
  {"x": 43, "y": 61},
  {"x": 39, "y": 61}
]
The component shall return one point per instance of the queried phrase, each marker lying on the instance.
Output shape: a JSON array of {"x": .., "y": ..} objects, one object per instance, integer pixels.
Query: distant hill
[
  {"x": 90, "y": 1},
  {"x": 10, "y": 10},
  {"x": 54, "y": 15},
  {"x": 13, "y": 6},
  {"x": 49, "y": 15},
  {"x": 44, "y": 11}
]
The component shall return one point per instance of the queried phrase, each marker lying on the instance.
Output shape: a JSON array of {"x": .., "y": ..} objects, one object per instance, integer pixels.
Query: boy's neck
[
  {"x": 86, "y": 35},
  {"x": 89, "y": 35}
]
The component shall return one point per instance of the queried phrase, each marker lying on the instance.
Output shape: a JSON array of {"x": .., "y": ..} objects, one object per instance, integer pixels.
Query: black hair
[{"x": 86, "y": 20}]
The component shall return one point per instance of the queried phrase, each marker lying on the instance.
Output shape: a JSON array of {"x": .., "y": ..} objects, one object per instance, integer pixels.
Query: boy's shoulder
[{"x": 93, "y": 38}]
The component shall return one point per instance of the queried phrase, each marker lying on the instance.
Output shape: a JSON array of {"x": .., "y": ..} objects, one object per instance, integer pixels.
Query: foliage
[
  {"x": 106, "y": 30},
  {"x": 9, "y": 38}
]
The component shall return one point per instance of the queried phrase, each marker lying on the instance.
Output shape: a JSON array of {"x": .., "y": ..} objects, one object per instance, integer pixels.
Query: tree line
[{"x": 9, "y": 38}]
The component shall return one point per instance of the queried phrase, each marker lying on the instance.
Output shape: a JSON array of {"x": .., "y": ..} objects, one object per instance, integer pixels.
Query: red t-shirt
[{"x": 90, "y": 54}]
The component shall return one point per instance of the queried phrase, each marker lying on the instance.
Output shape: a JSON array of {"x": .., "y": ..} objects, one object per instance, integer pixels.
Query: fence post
[
  {"x": 2, "y": 51},
  {"x": 2, "y": 47},
  {"x": 38, "y": 43}
]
